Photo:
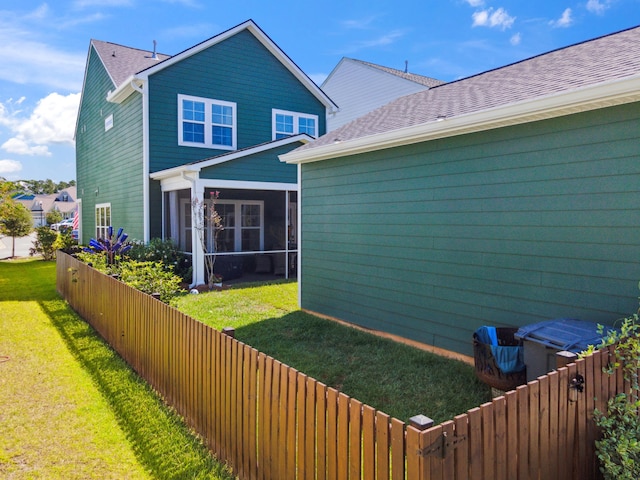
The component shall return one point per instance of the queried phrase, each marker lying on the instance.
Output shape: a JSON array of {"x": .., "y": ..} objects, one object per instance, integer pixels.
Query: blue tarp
[{"x": 510, "y": 359}]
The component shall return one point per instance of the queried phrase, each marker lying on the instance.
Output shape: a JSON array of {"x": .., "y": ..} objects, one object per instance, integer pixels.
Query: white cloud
[
  {"x": 358, "y": 24},
  {"x": 51, "y": 122},
  {"x": 490, "y": 18},
  {"x": 598, "y": 6},
  {"x": 475, "y": 3},
  {"x": 564, "y": 21},
  {"x": 381, "y": 41},
  {"x": 9, "y": 166},
  {"x": 26, "y": 59},
  {"x": 20, "y": 147},
  {"x": 515, "y": 39}
]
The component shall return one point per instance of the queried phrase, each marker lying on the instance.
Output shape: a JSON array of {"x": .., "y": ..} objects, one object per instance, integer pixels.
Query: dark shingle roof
[
  {"x": 413, "y": 77},
  {"x": 607, "y": 58},
  {"x": 121, "y": 62}
]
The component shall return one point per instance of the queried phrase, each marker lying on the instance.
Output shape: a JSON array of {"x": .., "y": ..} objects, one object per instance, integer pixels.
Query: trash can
[
  {"x": 498, "y": 357},
  {"x": 543, "y": 340}
]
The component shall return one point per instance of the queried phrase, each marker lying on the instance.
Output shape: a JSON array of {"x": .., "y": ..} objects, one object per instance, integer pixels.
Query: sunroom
[{"x": 256, "y": 198}]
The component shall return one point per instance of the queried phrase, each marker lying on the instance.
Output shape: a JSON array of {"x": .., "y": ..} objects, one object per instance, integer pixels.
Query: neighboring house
[
  {"x": 505, "y": 198},
  {"x": 156, "y": 133},
  {"x": 39, "y": 205},
  {"x": 358, "y": 87}
]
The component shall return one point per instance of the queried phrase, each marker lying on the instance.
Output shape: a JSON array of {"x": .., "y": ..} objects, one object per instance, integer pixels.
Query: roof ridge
[
  {"x": 543, "y": 54},
  {"x": 414, "y": 77}
]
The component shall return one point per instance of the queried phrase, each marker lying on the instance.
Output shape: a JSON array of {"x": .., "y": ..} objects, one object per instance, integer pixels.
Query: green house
[
  {"x": 158, "y": 135},
  {"x": 506, "y": 198}
]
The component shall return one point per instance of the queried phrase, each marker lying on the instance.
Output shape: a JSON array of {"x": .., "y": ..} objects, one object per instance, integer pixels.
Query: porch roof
[{"x": 196, "y": 167}]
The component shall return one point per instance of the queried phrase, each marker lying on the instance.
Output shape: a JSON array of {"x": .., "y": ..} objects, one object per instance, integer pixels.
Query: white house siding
[{"x": 358, "y": 88}]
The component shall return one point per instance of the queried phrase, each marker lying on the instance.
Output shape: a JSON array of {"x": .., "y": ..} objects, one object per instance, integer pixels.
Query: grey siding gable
[
  {"x": 239, "y": 69},
  {"x": 506, "y": 227},
  {"x": 109, "y": 163}
]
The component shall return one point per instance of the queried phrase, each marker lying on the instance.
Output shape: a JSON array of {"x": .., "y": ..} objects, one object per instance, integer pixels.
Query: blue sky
[{"x": 43, "y": 48}]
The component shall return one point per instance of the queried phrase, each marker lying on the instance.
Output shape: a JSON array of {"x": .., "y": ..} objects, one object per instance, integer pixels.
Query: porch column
[{"x": 197, "y": 193}]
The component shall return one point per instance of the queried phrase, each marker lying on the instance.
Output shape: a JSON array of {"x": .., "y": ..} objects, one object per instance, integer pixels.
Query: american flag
[{"x": 76, "y": 219}]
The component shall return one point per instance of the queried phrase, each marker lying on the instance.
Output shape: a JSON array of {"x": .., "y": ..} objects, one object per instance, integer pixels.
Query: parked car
[{"x": 63, "y": 225}]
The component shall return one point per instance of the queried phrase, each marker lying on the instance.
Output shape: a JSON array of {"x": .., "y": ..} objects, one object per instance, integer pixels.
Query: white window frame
[
  {"x": 296, "y": 122},
  {"x": 108, "y": 123},
  {"x": 103, "y": 213},
  {"x": 237, "y": 229},
  {"x": 208, "y": 123}
]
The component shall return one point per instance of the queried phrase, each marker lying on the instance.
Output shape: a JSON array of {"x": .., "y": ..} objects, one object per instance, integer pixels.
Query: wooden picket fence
[{"x": 270, "y": 421}]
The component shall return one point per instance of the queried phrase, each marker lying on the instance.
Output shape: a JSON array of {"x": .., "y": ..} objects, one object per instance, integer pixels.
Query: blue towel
[{"x": 510, "y": 359}]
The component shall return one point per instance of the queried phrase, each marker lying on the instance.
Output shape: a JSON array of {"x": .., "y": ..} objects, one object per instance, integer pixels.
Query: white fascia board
[
  {"x": 243, "y": 185},
  {"x": 602, "y": 95},
  {"x": 227, "y": 157}
]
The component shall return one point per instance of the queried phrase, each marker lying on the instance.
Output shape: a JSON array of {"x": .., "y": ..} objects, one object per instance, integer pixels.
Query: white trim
[
  {"x": 146, "y": 201},
  {"x": 227, "y": 157},
  {"x": 299, "y": 242},
  {"x": 208, "y": 123},
  {"x": 296, "y": 117},
  {"x": 602, "y": 95}
]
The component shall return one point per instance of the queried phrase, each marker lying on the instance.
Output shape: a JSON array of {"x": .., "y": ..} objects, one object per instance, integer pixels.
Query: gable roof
[
  {"x": 137, "y": 66},
  {"x": 412, "y": 77},
  {"x": 593, "y": 74}
]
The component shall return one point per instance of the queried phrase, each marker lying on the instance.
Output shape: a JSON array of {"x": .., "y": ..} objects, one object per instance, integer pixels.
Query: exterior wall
[
  {"x": 505, "y": 227},
  {"x": 239, "y": 70},
  {"x": 109, "y": 163},
  {"x": 261, "y": 167},
  {"x": 357, "y": 89}
]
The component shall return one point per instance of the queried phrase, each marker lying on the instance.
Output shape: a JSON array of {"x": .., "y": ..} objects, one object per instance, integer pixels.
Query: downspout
[
  {"x": 195, "y": 263},
  {"x": 145, "y": 156}
]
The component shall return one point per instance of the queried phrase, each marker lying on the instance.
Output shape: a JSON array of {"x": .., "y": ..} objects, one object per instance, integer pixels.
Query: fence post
[
  {"x": 230, "y": 331},
  {"x": 564, "y": 358},
  {"x": 421, "y": 422}
]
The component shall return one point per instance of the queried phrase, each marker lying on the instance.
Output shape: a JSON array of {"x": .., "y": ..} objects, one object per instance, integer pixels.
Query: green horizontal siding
[
  {"x": 505, "y": 227},
  {"x": 239, "y": 69},
  {"x": 260, "y": 167},
  {"x": 109, "y": 163}
]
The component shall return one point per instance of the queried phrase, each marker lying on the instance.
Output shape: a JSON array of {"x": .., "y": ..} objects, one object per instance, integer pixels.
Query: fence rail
[{"x": 270, "y": 421}]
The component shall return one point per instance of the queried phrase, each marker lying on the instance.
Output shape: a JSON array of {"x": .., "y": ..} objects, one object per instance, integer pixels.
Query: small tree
[
  {"x": 44, "y": 243},
  {"x": 15, "y": 221},
  {"x": 53, "y": 216},
  {"x": 208, "y": 224}
]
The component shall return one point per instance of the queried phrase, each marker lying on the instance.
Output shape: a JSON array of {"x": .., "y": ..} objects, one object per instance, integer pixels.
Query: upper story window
[
  {"x": 287, "y": 123},
  {"x": 207, "y": 123}
]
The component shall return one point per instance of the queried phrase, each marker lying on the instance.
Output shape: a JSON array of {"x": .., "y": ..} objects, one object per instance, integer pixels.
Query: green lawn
[
  {"x": 70, "y": 408},
  {"x": 397, "y": 379}
]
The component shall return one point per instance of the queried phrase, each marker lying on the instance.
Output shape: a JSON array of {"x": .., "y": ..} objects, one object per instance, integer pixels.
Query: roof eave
[
  {"x": 124, "y": 90},
  {"x": 605, "y": 94}
]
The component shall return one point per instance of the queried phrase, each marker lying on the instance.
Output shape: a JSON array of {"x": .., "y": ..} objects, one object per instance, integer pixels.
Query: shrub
[
  {"x": 619, "y": 448},
  {"x": 151, "y": 278},
  {"x": 65, "y": 240},
  {"x": 165, "y": 251},
  {"x": 44, "y": 244}
]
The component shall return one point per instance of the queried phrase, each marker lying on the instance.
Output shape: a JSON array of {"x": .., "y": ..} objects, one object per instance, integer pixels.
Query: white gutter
[{"x": 605, "y": 94}]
